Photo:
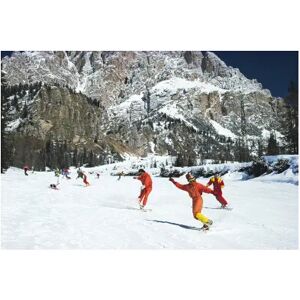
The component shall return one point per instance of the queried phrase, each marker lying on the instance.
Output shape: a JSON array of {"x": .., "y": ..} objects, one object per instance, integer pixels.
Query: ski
[
  {"x": 140, "y": 209},
  {"x": 224, "y": 208},
  {"x": 145, "y": 209}
]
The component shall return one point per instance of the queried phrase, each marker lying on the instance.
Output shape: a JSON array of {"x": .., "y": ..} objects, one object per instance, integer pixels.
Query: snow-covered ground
[{"x": 105, "y": 215}]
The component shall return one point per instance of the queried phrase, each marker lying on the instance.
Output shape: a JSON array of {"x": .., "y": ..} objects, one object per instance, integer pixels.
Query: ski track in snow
[{"x": 103, "y": 216}]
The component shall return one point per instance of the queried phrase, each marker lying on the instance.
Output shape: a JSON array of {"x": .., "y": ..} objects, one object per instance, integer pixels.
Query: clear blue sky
[{"x": 274, "y": 69}]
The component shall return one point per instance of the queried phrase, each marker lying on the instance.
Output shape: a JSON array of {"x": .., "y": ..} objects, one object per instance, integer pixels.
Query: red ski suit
[
  {"x": 25, "y": 168},
  {"x": 195, "y": 190},
  {"x": 218, "y": 184},
  {"x": 146, "y": 180},
  {"x": 85, "y": 180}
]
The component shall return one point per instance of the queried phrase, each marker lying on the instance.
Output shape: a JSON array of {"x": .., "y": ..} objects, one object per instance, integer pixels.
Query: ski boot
[{"x": 207, "y": 225}]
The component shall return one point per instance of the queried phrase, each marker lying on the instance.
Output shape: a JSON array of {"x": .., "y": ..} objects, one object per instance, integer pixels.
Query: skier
[
  {"x": 54, "y": 186},
  {"x": 66, "y": 172},
  {"x": 195, "y": 190},
  {"x": 218, "y": 184},
  {"x": 81, "y": 174},
  {"x": 146, "y": 180},
  {"x": 57, "y": 174},
  {"x": 120, "y": 175},
  {"x": 85, "y": 180},
  {"x": 26, "y": 168}
]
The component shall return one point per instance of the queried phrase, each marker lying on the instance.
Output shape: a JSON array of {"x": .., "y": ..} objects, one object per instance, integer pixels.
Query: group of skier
[
  {"x": 194, "y": 189},
  {"x": 65, "y": 172}
]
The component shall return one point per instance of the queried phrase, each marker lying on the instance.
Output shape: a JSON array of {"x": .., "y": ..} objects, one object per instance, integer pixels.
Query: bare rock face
[
  {"x": 212, "y": 65},
  {"x": 111, "y": 103},
  {"x": 59, "y": 118}
]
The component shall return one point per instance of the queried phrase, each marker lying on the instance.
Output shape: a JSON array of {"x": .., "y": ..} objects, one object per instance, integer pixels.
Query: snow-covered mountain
[
  {"x": 187, "y": 103},
  {"x": 95, "y": 72}
]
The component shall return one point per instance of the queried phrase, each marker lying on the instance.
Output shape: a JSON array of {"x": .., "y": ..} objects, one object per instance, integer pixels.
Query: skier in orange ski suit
[
  {"x": 146, "y": 180},
  {"x": 218, "y": 184},
  {"x": 195, "y": 190}
]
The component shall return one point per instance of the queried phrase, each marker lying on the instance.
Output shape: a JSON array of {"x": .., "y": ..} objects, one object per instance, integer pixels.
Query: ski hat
[
  {"x": 190, "y": 177},
  {"x": 141, "y": 171}
]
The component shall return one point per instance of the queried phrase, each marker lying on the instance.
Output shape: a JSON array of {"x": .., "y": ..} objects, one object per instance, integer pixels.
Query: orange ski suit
[
  {"x": 218, "y": 184},
  {"x": 146, "y": 180},
  {"x": 195, "y": 190}
]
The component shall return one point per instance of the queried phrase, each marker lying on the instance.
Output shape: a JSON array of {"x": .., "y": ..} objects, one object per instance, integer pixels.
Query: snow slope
[{"x": 104, "y": 215}]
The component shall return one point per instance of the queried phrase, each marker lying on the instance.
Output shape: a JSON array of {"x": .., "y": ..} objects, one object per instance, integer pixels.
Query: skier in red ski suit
[
  {"x": 146, "y": 180},
  {"x": 195, "y": 190},
  {"x": 218, "y": 184},
  {"x": 85, "y": 180},
  {"x": 26, "y": 168},
  {"x": 82, "y": 175}
]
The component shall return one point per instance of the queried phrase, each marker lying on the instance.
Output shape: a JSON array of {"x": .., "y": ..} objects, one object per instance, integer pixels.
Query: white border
[{"x": 149, "y": 25}]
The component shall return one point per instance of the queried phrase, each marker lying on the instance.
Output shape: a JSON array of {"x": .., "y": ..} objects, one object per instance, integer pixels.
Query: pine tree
[
  {"x": 48, "y": 153},
  {"x": 24, "y": 113},
  {"x": 74, "y": 158},
  {"x": 6, "y": 144},
  {"x": 179, "y": 161},
  {"x": 272, "y": 145},
  {"x": 244, "y": 154},
  {"x": 191, "y": 161},
  {"x": 260, "y": 148},
  {"x": 91, "y": 160},
  {"x": 291, "y": 120}
]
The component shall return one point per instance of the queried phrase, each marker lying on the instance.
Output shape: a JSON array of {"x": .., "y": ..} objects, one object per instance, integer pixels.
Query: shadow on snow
[{"x": 176, "y": 224}]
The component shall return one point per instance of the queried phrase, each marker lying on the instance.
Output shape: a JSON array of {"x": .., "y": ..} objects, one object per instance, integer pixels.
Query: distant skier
[
  {"x": 81, "y": 174},
  {"x": 195, "y": 190},
  {"x": 218, "y": 184},
  {"x": 57, "y": 174},
  {"x": 120, "y": 175},
  {"x": 54, "y": 186},
  {"x": 146, "y": 180},
  {"x": 66, "y": 172},
  {"x": 98, "y": 175},
  {"x": 26, "y": 168},
  {"x": 85, "y": 180}
]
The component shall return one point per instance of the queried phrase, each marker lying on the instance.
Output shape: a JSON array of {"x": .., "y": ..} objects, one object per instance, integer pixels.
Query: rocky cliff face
[
  {"x": 182, "y": 103},
  {"x": 55, "y": 121}
]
